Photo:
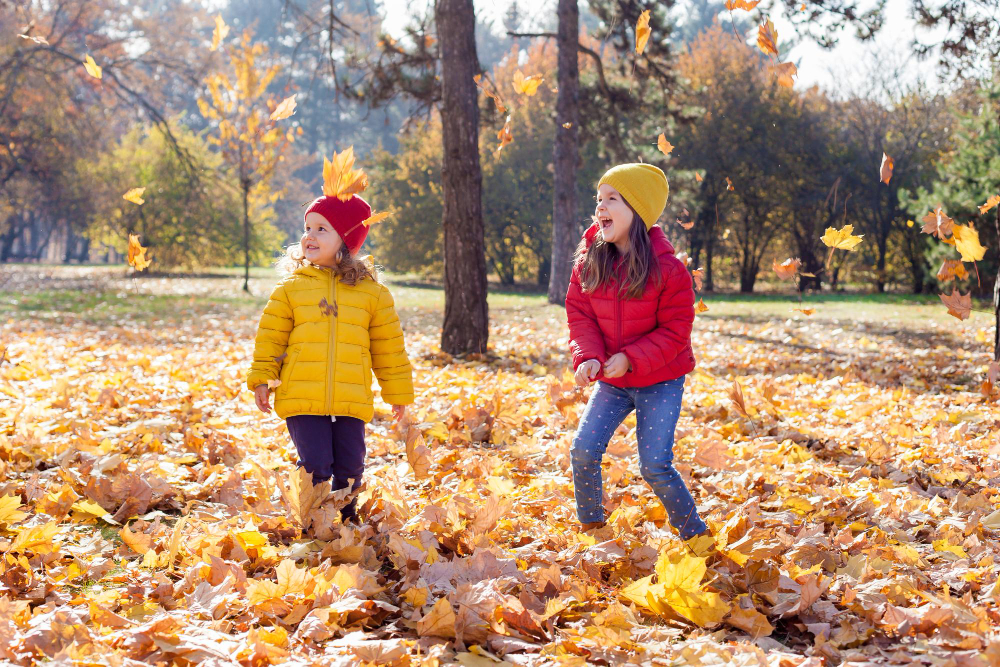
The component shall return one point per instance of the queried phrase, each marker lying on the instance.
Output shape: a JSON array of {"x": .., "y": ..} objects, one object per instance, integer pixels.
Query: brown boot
[{"x": 591, "y": 525}]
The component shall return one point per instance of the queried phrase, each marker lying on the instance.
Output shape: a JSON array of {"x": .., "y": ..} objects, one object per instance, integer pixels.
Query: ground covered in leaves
[{"x": 149, "y": 514}]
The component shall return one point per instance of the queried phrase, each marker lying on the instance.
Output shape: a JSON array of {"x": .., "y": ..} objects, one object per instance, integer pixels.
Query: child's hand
[
  {"x": 587, "y": 371},
  {"x": 616, "y": 366},
  {"x": 399, "y": 411},
  {"x": 262, "y": 396}
]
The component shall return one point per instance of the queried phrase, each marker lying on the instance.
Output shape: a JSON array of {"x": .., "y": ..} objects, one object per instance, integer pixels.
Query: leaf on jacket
[
  {"x": 642, "y": 32},
  {"x": 328, "y": 308},
  {"x": 959, "y": 305}
]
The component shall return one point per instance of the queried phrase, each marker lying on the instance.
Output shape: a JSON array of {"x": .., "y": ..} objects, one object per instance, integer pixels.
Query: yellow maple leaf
[
  {"x": 137, "y": 254},
  {"x": 93, "y": 69},
  {"x": 767, "y": 38},
  {"x": 842, "y": 239},
  {"x": 37, "y": 539},
  {"x": 9, "y": 512},
  {"x": 439, "y": 621},
  {"x": 90, "y": 507},
  {"x": 946, "y": 546},
  {"x": 340, "y": 178},
  {"x": 220, "y": 32},
  {"x": 526, "y": 85},
  {"x": 967, "y": 243},
  {"x": 134, "y": 195},
  {"x": 642, "y": 32},
  {"x": 291, "y": 581},
  {"x": 284, "y": 109}
]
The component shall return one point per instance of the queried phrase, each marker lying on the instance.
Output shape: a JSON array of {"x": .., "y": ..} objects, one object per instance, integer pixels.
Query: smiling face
[
  {"x": 320, "y": 242},
  {"x": 614, "y": 216}
]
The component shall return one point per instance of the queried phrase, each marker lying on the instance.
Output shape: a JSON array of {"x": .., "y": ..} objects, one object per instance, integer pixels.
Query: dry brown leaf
[{"x": 959, "y": 305}]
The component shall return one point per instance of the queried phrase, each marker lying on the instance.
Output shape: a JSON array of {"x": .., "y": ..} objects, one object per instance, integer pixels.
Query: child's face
[
  {"x": 320, "y": 241},
  {"x": 613, "y": 214}
]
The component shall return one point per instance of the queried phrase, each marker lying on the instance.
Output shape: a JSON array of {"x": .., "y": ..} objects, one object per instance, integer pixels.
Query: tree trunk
[
  {"x": 466, "y": 320},
  {"x": 246, "y": 235},
  {"x": 709, "y": 252},
  {"x": 566, "y": 154}
]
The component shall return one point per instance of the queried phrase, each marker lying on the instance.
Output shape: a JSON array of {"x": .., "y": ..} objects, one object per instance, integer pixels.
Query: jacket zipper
[{"x": 331, "y": 359}]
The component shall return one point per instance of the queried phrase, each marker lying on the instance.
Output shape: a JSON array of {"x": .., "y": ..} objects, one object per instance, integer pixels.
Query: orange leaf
[
  {"x": 698, "y": 177},
  {"x": 505, "y": 135},
  {"x": 700, "y": 307},
  {"x": 496, "y": 98},
  {"x": 736, "y": 396},
  {"x": 684, "y": 219},
  {"x": 885, "y": 170},
  {"x": 642, "y": 32},
  {"x": 937, "y": 223},
  {"x": 959, "y": 305},
  {"x": 285, "y": 109},
  {"x": 340, "y": 179},
  {"x": 729, "y": 184},
  {"x": 664, "y": 145},
  {"x": 698, "y": 275},
  {"x": 805, "y": 311},
  {"x": 952, "y": 269},
  {"x": 748, "y": 5},
  {"x": 784, "y": 73},
  {"x": 375, "y": 218},
  {"x": 990, "y": 203},
  {"x": 136, "y": 254},
  {"x": 786, "y": 269},
  {"x": 767, "y": 38}
]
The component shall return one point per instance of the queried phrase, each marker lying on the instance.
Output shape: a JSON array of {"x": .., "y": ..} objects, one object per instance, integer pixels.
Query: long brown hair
[
  {"x": 350, "y": 269},
  {"x": 600, "y": 261}
]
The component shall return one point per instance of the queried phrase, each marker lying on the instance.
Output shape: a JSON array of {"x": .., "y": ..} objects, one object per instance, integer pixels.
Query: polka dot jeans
[{"x": 657, "y": 408}]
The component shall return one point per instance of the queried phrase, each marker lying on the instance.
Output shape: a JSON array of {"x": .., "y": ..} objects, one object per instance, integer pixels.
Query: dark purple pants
[{"x": 330, "y": 449}]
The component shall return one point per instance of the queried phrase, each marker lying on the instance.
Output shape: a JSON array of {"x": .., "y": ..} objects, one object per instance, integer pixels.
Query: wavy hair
[
  {"x": 350, "y": 269},
  {"x": 601, "y": 264}
]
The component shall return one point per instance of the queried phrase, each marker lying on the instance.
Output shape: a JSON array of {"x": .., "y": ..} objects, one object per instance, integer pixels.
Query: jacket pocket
[
  {"x": 366, "y": 374},
  {"x": 285, "y": 375}
]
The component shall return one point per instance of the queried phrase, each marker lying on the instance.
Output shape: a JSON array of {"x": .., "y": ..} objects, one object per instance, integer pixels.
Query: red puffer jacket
[{"x": 654, "y": 330}]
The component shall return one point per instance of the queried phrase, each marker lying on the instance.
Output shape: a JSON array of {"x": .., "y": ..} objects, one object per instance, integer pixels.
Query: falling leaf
[
  {"x": 842, "y": 239},
  {"x": 526, "y": 85},
  {"x": 93, "y": 69},
  {"x": 642, "y": 32},
  {"x": 767, "y": 38},
  {"x": 967, "y": 243},
  {"x": 340, "y": 179},
  {"x": 805, "y": 311},
  {"x": 137, "y": 254},
  {"x": 375, "y": 218},
  {"x": 35, "y": 39},
  {"x": 684, "y": 219},
  {"x": 937, "y": 223},
  {"x": 990, "y": 203},
  {"x": 747, "y": 5},
  {"x": 220, "y": 32},
  {"x": 729, "y": 184},
  {"x": 496, "y": 98},
  {"x": 700, "y": 307},
  {"x": 505, "y": 135},
  {"x": 736, "y": 396},
  {"x": 952, "y": 269},
  {"x": 959, "y": 305},
  {"x": 135, "y": 196},
  {"x": 698, "y": 177},
  {"x": 698, "y": 275},
  {"x": 284, "y": 109},
  {"x": 786, "y": 269},
  {"x": 726, "y": 233},
  {"x": 566, "y": 126},
  {"x": 885, "y": 170},
  {"x": 784, "y": 73},
  {"x": 664, "y": 145}
]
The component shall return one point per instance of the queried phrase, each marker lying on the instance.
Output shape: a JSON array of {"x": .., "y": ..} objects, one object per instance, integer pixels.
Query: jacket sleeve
[
  {"x": 585, "y": 338},
  {"x": 674, "y": 318},
  {"x": 272, "y": 338},
  {"x": 389, "y": 361}
]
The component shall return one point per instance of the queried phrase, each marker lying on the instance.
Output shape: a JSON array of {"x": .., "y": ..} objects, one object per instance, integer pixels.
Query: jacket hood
[
  {"x": 657, "y": 237},
  {"x": 320, "y": 271}
]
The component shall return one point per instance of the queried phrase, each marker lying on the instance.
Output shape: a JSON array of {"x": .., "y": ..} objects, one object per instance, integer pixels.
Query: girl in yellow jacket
[{"x": 326, "y": 328}]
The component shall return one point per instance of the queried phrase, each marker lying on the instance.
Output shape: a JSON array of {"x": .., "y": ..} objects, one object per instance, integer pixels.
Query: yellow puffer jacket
[{"x": 323, "y": 339}]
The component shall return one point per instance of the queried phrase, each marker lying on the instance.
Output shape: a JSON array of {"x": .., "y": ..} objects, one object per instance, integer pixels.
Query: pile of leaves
[{"x": 148, "y": 513}]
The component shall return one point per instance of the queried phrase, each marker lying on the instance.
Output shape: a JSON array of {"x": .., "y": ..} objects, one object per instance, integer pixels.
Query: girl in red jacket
[{"x": 630, "y": 307}]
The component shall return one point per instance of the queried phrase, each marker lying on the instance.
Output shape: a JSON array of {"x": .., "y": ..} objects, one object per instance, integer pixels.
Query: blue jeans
[{"x": 657, "y": 408}]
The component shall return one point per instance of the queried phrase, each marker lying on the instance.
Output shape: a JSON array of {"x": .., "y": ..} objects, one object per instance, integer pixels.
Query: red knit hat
[{"x": 345, "y": 217}]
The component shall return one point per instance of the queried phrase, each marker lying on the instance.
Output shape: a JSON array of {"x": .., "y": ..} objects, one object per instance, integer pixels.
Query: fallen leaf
[
  {"x": 135, "y": 196},
  {"x": 439, "y": 621},
  {"x": 284, "y": 109},
  {"x": 642, "y": 32},
  {"x": 736, "y": 396},
  {"x": 885, "y": 169},
  {"x": 959, "y": 305},
  {"x": 9, "y": 513}
]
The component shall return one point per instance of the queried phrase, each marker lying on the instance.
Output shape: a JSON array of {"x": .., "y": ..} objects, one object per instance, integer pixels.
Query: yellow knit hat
[{"x": 644, "y": 187}]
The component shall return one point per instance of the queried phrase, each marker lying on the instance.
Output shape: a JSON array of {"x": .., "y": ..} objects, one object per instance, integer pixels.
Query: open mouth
[{"x": 605, "y": 222}]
